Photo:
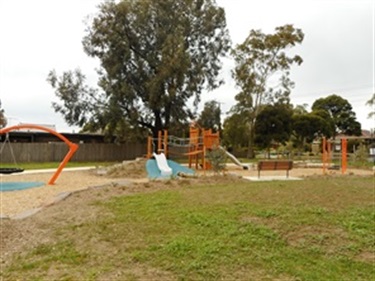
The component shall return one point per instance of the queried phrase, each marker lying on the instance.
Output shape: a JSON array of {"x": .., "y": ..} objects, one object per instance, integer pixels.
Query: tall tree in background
[
  {"x": 209, "y": 118},
  {"x": 273, "y": 125},
  {"x": 262, "y": 72},
  {"x": 155, "y": 56},
  {"x": 308, "y": 126},
  {"x": 340, "y": 111},
  {"x": 236, "y": 132},
  {"x": 3, "y": 120},
  {"x": 371, "y": 103},
  {"x": 300, "y": 109}
]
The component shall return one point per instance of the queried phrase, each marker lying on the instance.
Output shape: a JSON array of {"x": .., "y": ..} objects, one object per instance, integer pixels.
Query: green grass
[{"x": 316, "y": 229}]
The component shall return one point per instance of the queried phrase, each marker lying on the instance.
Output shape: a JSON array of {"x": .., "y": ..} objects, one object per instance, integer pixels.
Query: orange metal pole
[
  {"x": 193, "y": 142},
  {"x": 72, "y": 146},
  {"x": 344, "y": 156},
  {"x": 324, "y": 155},
  {"x": 166, "y": 143},
  {"x": 149, "y": 147},
  {"x": 159, "y": 141},
  {"x": 72, "y": 150}
]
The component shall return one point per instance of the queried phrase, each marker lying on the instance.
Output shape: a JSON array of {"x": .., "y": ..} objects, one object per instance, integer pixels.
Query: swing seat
[
  {"x": 11, "y": 170},
  {"x": 8, "y": 170}
]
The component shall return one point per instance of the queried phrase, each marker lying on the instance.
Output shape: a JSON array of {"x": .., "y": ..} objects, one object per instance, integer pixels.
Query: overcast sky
[{"x": 41, "y": 35}]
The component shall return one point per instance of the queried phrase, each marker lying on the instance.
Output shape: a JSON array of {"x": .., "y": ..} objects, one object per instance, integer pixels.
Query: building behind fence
[{"x": 56, "y": 151}]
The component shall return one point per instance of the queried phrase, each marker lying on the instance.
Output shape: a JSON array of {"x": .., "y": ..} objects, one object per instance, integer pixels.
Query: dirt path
[
  {"x": 19, "y": 234},
  {"x": 18, "y": 202}
]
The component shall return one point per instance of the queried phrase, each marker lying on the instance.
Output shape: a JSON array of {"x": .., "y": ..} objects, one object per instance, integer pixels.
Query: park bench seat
[{"x": 270, "y": 165}]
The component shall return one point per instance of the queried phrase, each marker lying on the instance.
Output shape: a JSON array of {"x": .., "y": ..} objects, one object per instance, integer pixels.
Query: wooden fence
[{"x": 56, "y": 151}]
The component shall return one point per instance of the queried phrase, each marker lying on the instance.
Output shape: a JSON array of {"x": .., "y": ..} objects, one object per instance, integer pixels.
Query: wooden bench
[{"x": 271, "y": 165}]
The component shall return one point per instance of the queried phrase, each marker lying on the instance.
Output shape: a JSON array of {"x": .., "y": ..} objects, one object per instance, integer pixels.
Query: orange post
[
  {"x": 159, "y": 141},
  {"x": 194, "y": 146},
  {"x": 149, "y": 147},
  {"x": 210, "y": 141},
  {"x": 72, "y": 149},
  {"x": 166, "y": 143},
  {"x": 344, "y": 156},
  {"x": 324, "y": 154},
  {"x": 72, "y": 146}
]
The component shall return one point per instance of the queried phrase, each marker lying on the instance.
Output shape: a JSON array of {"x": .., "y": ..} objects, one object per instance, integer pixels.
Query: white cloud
[{"x": 41, "y": 35}]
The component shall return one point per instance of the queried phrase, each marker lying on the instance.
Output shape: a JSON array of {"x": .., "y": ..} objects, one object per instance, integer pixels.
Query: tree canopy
[
  {"x": 371, "y": 103},
  {"x": 273, "y": 125},
  {"x": 236, "y": 131},
  {"x": 155, "y": 56},
  {"x": 210, "y": 118},
  {"x": 340, "y": 111},
  {"x": 260, "y": 61},
  {"x": 307, "y": 127}
]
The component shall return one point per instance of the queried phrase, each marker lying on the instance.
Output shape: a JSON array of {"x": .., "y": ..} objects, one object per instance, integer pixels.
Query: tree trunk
[
  {"x": 158, "y": 125},
  {"x": 250, "y": 148}
]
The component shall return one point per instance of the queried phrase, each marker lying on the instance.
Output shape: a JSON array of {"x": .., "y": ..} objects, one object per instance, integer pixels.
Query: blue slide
[{"x": 154, "y": 172}]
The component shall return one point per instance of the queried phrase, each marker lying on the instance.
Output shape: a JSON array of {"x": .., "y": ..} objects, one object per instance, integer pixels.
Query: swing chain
[{"x": 7, "y": 140}]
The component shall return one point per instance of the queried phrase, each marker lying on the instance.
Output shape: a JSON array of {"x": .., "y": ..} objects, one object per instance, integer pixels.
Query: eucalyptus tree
[
  {"x": 341, "y": 114},
  {"x": 210, "y": 117},
  {"x": 371, "y": 103},
  {"x": 309, "y": 126},
  {"x": 262, "y": 70},
  {"x": 273, "y": 125},
  {"x": 235, "y": 132},
  {"x": 155, "y": 58}
]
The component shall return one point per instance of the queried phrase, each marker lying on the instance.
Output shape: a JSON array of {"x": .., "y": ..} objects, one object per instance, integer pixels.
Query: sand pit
[{"x": 14, "y": 203}]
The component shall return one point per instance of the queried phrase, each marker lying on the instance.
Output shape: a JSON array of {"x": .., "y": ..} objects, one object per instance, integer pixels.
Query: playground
[
  {"x": 20, "y": 202},
  {"x": 24, "y": 193},
  {"x": 168, "y": 220}
]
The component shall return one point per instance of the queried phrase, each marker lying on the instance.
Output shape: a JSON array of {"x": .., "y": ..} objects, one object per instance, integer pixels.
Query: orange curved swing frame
[{"x": 72, "y": 146}]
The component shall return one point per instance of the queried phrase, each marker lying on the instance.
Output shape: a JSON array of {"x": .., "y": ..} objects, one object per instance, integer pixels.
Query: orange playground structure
[
  {"x": 327, "y": 154},
  {"x": 200, "y": 141},
  {"x": 72, "y": 146}
]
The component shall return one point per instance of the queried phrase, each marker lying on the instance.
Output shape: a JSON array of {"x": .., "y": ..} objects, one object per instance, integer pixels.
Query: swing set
[
  {"x": 10, "y": 170},
  {"x": 327, "y": 154}
]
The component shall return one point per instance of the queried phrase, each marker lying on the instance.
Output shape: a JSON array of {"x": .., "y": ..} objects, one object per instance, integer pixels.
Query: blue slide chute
[{"x": 158, "y": 169}]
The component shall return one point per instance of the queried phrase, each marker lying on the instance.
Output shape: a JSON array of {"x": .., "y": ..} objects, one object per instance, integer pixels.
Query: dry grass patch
[{"x": 209, "y": 228}]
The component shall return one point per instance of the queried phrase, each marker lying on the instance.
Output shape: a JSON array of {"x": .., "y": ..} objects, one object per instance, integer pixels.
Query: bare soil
[
  {"x": 15, "y": 203},
  {"x": 86, "y": 187}
]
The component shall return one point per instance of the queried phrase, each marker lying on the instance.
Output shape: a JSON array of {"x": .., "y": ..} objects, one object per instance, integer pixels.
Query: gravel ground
[
  {"x": 17, "y": 202},
  {"x": 16, "y": 235}
]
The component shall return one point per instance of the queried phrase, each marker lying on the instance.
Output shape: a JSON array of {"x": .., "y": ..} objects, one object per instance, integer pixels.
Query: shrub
[{"x": 218, "y": 158}]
